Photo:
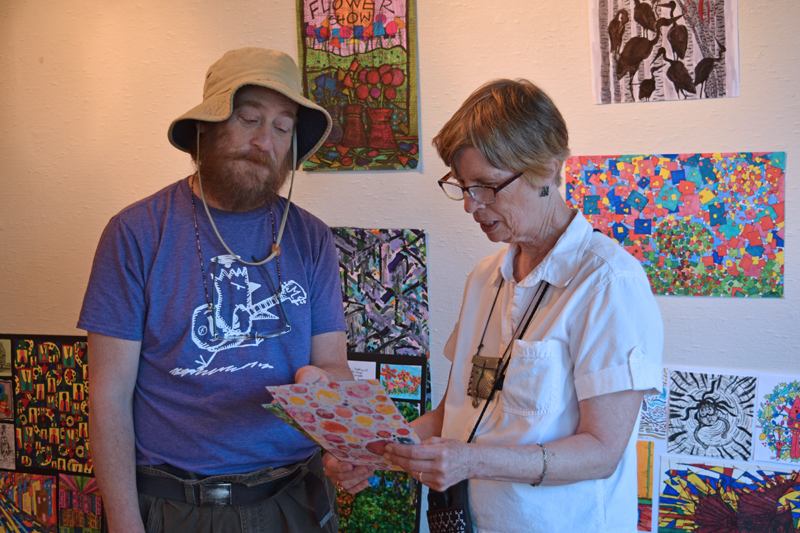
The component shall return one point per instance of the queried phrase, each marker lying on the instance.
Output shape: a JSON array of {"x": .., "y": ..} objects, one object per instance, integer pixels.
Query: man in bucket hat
[{"x": 200, "y": 296}]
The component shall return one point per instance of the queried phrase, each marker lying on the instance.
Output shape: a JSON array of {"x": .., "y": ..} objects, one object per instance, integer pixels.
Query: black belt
[{"x": 206, "y": 491}]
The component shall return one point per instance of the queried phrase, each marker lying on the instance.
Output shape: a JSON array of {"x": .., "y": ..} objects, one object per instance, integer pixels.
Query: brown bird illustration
[
  {"x": 678, "y": 35},
  {"x": 616, "y": 30},
  {"x": 677, "y": 74},
  {"x": 703, "y": 69},
  {"x": 648, "y": 85},
  {"x": 643, "y": 14},
  {"x": 636, "y": 50}
]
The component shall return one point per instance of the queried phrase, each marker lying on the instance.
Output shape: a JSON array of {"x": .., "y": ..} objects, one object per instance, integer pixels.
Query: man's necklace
[{"x": 200, "y": 254}]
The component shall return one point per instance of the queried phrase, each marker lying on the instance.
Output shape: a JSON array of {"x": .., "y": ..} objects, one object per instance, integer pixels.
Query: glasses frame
[
  {"x": 242, "y": 338},
  {"x": 495, "y": 189}
]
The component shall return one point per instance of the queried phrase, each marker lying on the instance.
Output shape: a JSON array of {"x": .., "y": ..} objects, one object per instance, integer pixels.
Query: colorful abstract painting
[
  {"x": 727, "y": 498},
  {"x": 385, "y": 289},
  {"x": 778, "y": 419},
  {"x": 358, "y": 61},
  {"x": 653, "y": 417},
  {"x": 701, "y": 224},
  {"x": 681, "y": 49},
  {"x": 645, "y": 475},
  {"x": 51, "y": 394},
  {"x": 711, "y": 414},
  {"x": 80, "y": 506},
  {"x": 27, "y": 503}
]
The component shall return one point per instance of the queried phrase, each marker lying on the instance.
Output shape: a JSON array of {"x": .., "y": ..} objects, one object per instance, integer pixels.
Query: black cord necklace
[{"x": 200, "y": 254}]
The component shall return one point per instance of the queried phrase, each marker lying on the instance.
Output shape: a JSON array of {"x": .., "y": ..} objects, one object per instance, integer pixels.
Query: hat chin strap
[{"x": 276, "y": 248}]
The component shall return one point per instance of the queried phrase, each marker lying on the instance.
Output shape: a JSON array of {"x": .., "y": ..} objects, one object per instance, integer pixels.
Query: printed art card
[
  {"x": 702, "y": 224},
  {"x": 353, "y": 420},
  {"x": 778, "y": 418},
  {"x": 711, "y": 415},
  {"x": 727, "y": 496}
]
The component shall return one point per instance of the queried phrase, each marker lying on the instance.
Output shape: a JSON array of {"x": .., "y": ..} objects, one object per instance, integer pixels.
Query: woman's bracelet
[{"x": 544, "y": 469}]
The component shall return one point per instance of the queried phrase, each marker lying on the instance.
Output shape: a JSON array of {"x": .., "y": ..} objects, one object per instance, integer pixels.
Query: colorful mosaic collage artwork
[
  {"x": 727, "y": 498},
  {"x": 385, "y": 284},
  {"x": 27, "y": 503},
  {"x": 358, "y": 61},
  {"x": 701, "y": 224},
  {"x": 51, "y": 394}
]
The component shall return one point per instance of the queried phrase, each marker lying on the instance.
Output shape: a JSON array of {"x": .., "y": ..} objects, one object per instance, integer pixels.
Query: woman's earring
[{"x": 545, "y": 191}]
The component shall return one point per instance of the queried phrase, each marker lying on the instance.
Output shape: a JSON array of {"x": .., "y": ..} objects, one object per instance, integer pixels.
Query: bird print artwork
[{"x": 656, "y": 50}]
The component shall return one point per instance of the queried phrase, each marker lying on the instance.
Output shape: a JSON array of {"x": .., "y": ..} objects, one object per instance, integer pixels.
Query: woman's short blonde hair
[{"x": 513, "y": 124}]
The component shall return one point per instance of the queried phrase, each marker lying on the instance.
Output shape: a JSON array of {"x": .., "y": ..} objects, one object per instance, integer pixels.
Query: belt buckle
[{"x": 215, "y": 494}]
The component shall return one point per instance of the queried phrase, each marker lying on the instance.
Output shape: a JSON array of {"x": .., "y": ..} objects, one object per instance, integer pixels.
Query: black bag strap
[{"x": 499, "y": 377}]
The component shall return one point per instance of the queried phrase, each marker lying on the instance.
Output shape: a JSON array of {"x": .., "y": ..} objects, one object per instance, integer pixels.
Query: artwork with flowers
[
  {"x": 402, "y": 382},
  {"x": 358, "y": 61}
]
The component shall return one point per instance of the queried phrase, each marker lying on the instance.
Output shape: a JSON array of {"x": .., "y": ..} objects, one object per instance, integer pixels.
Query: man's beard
[{"x": 237, "y": 186}]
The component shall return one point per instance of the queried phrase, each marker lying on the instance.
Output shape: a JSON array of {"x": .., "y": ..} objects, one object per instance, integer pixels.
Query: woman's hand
[
  {"x": 436, "y": 462},
  {"x": 347, "y": 476}
]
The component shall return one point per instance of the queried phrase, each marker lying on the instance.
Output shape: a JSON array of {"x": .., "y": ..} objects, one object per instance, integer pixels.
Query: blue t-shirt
[{"x": 201, "y": 383}]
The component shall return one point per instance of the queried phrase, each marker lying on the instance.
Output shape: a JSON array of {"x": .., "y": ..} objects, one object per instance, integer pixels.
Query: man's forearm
[{"x": 114, "y": 456}]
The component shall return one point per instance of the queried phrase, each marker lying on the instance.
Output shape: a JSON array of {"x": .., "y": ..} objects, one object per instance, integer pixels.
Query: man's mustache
[{"x": 259, "y": 158}]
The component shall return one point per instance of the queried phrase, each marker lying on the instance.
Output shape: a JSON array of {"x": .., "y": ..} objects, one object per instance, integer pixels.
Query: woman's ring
[{"x": 420, "y": 476}]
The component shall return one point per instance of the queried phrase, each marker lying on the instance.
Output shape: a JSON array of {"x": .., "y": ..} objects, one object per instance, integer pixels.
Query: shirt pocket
[{"x": 534, "y": 378}]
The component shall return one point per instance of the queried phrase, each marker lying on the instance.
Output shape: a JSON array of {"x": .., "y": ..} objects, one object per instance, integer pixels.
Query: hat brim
[{"x": 313, "y": 122}]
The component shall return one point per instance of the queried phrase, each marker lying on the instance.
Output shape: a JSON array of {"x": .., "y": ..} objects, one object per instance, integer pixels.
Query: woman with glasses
[{"x": 558, "y": 339}]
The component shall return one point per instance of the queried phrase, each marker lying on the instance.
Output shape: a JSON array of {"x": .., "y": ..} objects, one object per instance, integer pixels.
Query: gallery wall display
[
  {"x": 706, "y": 224},
  {"x": 359, "y": 62},
  {"x": 385, "y": 293},
  {"x": 44, "y": 437},
  {"x": 727, "y": 462},
  {"x": 653, "y": 51}
]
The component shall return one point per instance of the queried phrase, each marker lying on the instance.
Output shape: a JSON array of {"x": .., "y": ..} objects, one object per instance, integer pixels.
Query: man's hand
[
  {"x": 311, "y": 374},
  {"x": 347, "y": 476}
]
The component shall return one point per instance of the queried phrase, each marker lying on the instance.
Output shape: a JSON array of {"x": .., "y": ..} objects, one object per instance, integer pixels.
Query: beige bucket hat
[{"x": 253, "y": 66}]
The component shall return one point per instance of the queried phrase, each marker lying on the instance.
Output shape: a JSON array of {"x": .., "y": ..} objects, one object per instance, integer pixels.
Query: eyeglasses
[
  {"x": 244, "y": 316},
  {"x": 483, "y": 194}
]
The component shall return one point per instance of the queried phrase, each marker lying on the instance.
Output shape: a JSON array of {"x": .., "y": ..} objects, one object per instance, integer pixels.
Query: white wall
[{"x": 88, "y": 88}]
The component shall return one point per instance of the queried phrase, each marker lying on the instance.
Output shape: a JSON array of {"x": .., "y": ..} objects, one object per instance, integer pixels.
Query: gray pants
[{"x": 289, "y": 511}]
